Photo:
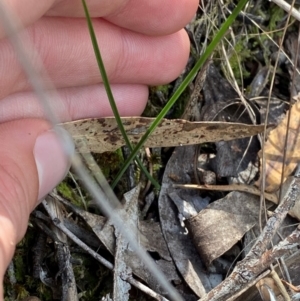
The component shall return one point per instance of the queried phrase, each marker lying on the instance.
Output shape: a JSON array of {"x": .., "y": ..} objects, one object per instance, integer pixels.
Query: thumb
[{"x": 32, "y": 162}]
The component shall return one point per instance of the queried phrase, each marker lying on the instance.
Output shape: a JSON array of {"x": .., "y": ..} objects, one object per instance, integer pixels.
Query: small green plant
[{"x": 209, "y": 50}]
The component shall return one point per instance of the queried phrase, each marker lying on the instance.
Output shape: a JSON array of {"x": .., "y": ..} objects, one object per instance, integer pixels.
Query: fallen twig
[
  {"x": 237, "y": 187},
  {"x": 258, "y": 259}
]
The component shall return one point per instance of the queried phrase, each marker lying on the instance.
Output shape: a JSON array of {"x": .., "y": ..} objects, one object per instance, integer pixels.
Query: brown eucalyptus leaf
[
  {"x": 101, "y": 135},
  {"x": 274, "y": 150}
]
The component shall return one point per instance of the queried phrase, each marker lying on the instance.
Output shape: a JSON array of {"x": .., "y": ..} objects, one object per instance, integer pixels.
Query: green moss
[
  {"x": 237, "y": 59},
  {"x": 66, "y": 189},
  {"x": 156, "y": 161},
  {"x": 110, "y": 163},
  {"x": 20, "y": 269},
  {"x": 25, "y": 284},
  {"x": 155, "y": 104},
  {"x": 93, "y": 280},
  {"x": 163, "y": 88},
  {"x": 276, "y": 16},
  {"x": 44, "y": 292},
  {"x": 21, "y": 292}
]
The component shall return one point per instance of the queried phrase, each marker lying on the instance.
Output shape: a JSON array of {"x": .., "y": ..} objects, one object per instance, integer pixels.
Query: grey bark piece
[
  {"x": 180, "y": 245},
  {"x": 122, "y": 263},
  {"x": 129, "y": 256},
  {"x": 121, "y": 287},
  {"x": 69, "y": 288}
]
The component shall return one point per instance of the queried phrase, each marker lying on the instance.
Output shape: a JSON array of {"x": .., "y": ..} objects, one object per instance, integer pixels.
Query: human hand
[{"x": 141, "y": 43}]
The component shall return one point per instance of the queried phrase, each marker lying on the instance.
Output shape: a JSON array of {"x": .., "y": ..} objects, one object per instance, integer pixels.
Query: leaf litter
[{"x": 197, "y": 236}]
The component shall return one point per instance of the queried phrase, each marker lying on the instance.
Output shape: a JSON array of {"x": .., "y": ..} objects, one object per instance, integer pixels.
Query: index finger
[
  {"x": 153, "y": 17},
  {"x": 149, "y": 17}
]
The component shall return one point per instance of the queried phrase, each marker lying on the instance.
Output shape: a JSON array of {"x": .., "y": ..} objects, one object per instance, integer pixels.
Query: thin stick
[
  {"x": 237, "y": 187},
  {"x": 258, "y": 259},
  {"x": 280, "y": 285}
]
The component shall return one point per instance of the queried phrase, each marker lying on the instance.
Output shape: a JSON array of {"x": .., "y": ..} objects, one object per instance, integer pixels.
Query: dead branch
[{"x": 258, "y": 259}]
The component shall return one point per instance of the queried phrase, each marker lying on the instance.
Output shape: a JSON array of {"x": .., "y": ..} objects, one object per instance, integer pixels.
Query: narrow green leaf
[
  {"x": 110, "y": 95},
  {"x": 210, "y": 48}
]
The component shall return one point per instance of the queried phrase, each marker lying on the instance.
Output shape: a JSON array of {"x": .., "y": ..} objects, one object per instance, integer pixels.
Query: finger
[
  {"x": 66, "y": 51},
  {"x": 28, "y": 150},
  {"x": 23, "y": 13},
  {"x": 76, "y": 103},
  {"x": 154, "y": 17},
  {"x": 149, "y": 17}
]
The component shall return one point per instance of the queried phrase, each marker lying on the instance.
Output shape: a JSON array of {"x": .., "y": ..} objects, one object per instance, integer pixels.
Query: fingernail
[{"x": 52, "y": 151}]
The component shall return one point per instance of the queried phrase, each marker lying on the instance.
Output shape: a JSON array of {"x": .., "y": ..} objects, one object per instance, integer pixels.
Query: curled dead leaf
[{"x": 274, "y": 150}]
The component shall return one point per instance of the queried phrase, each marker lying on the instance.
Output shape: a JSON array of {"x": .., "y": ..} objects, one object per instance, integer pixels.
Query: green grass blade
[
  {"x": 110, "y": 95},
  {"x": 210, "y": 48}
]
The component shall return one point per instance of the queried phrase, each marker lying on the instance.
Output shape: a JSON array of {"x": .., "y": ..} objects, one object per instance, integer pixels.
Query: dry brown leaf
[
  {"x": 101, "y": 135},
  {"x": 265, "y": 286},
  {"x": 222, "y": 224},
  {"x": 274, "y": 150}
]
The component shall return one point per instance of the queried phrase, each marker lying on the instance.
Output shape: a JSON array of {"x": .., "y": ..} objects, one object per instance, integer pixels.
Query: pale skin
[{"x": 142, "y": 43}]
